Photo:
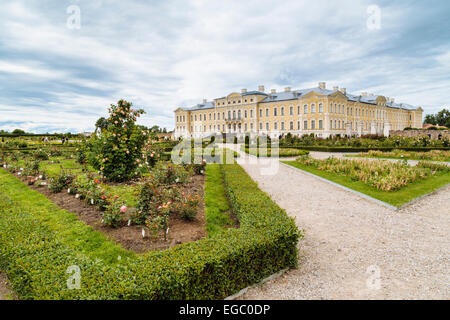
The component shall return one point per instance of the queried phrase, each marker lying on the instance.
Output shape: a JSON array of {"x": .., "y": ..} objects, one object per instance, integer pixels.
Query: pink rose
[{"x": 123, "y": 209}]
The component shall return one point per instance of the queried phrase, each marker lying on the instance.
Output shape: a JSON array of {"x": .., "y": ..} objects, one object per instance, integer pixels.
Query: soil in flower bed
[{"x": 130, "y": 237}]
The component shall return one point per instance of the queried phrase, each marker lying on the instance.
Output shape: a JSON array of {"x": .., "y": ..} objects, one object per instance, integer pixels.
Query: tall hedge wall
[{"x": 39, "y": 241}]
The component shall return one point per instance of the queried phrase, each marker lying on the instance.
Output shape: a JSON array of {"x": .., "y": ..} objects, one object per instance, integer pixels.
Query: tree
[
  {"x": 117, "y": 150},
  {"x": 18, "y": 131},
  {"x": 442, "y": 118}
]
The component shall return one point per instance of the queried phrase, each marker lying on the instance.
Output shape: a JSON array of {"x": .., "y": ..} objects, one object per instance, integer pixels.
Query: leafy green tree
[
  {"x": 442, "y": 118},
  {"x": 117, "y": 150},
  {"x": 18, "y": 131}
]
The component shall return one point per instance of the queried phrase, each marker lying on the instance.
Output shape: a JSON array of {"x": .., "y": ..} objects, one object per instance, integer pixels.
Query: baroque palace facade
[{"x": 319, "y": 110}]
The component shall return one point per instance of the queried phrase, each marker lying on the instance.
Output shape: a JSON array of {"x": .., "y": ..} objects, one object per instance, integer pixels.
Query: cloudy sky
[{"x": 164, "y": 54}]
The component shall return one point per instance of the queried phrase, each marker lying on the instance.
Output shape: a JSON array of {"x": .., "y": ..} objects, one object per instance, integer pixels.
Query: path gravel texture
[{"x": 354, "y": 248}]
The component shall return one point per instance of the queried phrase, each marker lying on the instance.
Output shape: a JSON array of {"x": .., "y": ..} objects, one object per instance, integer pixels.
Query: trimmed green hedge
[
  {"x": 359, "y": 149},
  {"x": 39, "y": 241}
]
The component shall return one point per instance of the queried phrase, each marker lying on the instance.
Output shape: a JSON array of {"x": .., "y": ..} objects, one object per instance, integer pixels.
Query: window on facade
[
  {"x": 313, "y": 124},
  {"x": 245, "y": 126},
  {"x": 260, "y": 126},
  {"x": 298, "y": 109},
  {"x": 251, "y": 126},
  {"x": 291, "y": 111},
  {"x": 305, "y": 125},
  {"x": 267, "y": 126},
  {"x": 267, "y": 112},
  {"x": 275, "y": 126},
  {"x": 260, "y": 113},
  {"x": 331, "y": 124},
  {"x": 245, "y": 113},
  {"x": 218, "y": 116},
  {"x": 320, "y": 124},
  {"x": 229, "y": 115},
  {"x": 320, "y": 108},
  {"x": 204, "y": 117},
  {"x": 251, "y": 113},
  {"x": 195, "y": 117},
  {"x": 313, "y": 108},
  {"x": 282, "y": 125},
  {"x": 239, "y": 114},
  {"x": 210, "y": 116},
  {"x": 298, "y": 125},
  {"x": 305, "y": 109},
  {"x": 204, "y": 128},
  {"x": 275, "y": 112},
  {"x": 291, "y": 125},
  {"x": 251, "y": 100},
  {"x": 282, "y": 111}
]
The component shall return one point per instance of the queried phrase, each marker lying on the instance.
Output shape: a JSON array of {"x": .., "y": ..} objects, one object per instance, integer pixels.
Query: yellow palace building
[{"x": 319, "y": 110}]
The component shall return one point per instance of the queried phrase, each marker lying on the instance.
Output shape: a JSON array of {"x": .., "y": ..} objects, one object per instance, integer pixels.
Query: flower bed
[
  {"x": 433, "y": 155},
  {"x": 382, "y": 175},
  {"x": 39, "y": 242}
]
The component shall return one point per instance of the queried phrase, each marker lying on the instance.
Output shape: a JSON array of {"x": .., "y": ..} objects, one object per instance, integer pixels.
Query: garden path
[{"x": 354, "y": 248}]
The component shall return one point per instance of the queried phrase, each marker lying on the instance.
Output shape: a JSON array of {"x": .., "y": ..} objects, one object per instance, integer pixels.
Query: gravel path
[{"x": 348, "y": 239}]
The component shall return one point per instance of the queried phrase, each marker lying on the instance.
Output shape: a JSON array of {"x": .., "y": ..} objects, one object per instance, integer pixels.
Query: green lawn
[
  {"x": 395, "y": 198},
  {"x": 217, "y": 208}
]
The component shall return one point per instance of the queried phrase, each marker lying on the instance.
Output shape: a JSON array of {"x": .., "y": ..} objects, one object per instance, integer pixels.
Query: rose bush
[{"x": 116, "y": 151}]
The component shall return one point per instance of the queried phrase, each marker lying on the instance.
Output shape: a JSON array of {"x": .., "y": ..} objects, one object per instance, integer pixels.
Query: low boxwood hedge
[{"x": 39, "y": 241}]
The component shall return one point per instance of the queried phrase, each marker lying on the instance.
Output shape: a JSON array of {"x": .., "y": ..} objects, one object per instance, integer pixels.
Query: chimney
[
  {"x": 204, "y": 100},
  {"x": 335, "y": 88},
  {"x": 344, "y": 90},
  {"x": 322, "y": 85},
  {"x": 273, "y": 91},
  {"x": 261, "y": 88},
  {"x": 364, "y": 94},
  {"x": 243, "y": 90},
  {"x": 287, "y": 89}
]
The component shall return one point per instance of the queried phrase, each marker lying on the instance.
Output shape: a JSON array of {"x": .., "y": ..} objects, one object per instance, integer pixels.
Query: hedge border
[{"x": 39, "y": 241}]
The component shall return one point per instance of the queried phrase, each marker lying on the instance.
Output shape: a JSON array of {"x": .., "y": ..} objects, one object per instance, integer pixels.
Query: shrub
[
  {"x": 117, "y": 150},
  {"x": 40, "y": 155},
  {"x": 113, "y": 215},
  {"x": 62, "y": 181},
  {"x": 170, "y": 174},
  {"x": 188, "y": 208}
]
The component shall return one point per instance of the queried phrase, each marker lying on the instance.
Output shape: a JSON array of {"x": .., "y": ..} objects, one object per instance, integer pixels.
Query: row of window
[
  {"x": 337, "y": 108},
  {"x": 235, "y": 101}
]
